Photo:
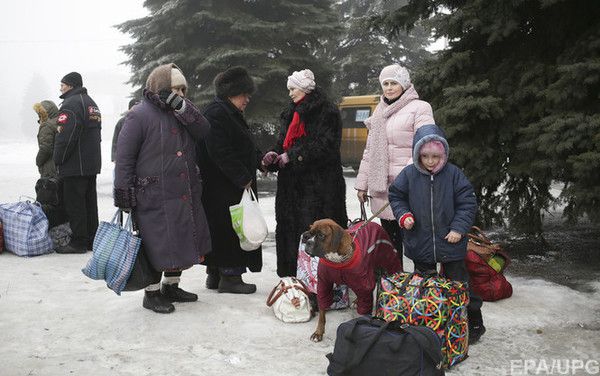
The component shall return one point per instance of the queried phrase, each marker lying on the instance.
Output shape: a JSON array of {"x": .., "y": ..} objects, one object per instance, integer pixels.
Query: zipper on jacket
[{"x": 432, "y": 220}]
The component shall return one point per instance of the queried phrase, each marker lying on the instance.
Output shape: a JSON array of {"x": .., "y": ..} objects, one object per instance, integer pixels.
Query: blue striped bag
[
  {"x": 115, "y": 250},
  {"x": 25, "y": 229}
]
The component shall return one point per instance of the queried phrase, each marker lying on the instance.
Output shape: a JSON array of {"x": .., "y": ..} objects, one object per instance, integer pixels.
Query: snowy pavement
[{"x": 55, "y": 321}]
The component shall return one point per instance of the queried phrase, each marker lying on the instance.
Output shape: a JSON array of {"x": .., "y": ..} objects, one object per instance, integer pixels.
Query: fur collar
[{"x": 310, "y": 107}]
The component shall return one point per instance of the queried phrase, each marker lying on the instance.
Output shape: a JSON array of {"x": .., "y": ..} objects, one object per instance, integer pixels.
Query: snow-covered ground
[{"x": 55, "y": 321}]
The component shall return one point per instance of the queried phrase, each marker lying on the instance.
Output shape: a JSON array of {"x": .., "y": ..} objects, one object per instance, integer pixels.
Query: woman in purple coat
[{"x": 156, "y": 177}]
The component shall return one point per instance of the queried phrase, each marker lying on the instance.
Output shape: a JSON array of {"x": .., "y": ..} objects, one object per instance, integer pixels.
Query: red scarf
[{"x": 295, "y": 130}]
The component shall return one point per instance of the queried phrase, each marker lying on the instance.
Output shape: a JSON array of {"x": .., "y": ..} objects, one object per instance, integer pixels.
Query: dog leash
[{"x": 370, "y": 218}]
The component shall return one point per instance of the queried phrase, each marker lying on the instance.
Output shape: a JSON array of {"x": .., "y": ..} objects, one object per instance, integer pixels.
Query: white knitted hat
[
  {"x": 303, "y": 80},
  {"x": 397, "y": 73}
]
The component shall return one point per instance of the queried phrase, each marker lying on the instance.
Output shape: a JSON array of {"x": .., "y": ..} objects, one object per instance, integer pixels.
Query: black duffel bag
[{"x": 370, "y": 346}]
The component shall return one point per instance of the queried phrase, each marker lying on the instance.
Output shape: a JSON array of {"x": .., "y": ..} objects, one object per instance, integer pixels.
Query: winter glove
[
  {"x": 269, "y": 158},
  {"x": 124, "y": 199},
  {"x": 407, "y": 221},
  {"x": 282, "y": 160},
  {"x": 248, "y": 185},
  {"x": 171, "y": 99}
]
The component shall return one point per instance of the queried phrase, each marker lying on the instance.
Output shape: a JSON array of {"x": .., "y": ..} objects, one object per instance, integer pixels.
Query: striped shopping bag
[
  {"x": 115, "y": 249},
  {"x": 25, "y": 229}
]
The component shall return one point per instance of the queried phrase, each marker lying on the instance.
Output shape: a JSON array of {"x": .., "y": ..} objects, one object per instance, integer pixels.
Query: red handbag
[{"x": 486, "y": 262}]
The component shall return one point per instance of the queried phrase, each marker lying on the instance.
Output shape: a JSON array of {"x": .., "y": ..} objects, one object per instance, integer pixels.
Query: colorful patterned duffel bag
[{"x": 432, "y": 301}]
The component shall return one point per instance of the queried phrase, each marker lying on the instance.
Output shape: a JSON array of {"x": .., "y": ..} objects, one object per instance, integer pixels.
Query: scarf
[
  {"x": 377, "y": 176},
  {"x": 295, "y": 130}
]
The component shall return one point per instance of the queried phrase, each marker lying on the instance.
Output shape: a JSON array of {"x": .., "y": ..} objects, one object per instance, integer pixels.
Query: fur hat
[
  {"x": 161, "y": 78},
  {"x": 397, "y": 73},
  {"x": 72, "y": 79},
  {"x": 303, "y": 80},
  {"x": 234, "y": 81}
]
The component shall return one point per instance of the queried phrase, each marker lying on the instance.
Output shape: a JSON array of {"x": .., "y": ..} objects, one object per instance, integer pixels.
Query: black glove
[
  {"x": 171, "y": 99},
  {"x": 124, "y": 199}
]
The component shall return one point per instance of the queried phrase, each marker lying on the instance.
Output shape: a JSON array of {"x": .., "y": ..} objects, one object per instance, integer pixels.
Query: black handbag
[
  {"x": 143, "y": 273},
  {"x": 368, "y": 346}
]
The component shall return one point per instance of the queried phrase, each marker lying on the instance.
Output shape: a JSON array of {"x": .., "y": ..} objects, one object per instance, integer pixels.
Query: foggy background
[{"x": 41, "y": 41}]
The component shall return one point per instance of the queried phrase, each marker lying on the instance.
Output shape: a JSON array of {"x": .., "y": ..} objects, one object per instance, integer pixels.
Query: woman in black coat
[
  {"x": 228, "y": 158},
  {"x": 310, "y": 183}
]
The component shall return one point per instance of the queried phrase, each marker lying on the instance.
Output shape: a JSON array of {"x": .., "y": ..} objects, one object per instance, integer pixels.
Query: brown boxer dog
[{"x": 336, "y": 249}]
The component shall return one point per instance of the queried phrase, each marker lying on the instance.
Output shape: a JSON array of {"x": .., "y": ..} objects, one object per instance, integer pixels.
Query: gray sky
[{"x": 41, "y": 41}]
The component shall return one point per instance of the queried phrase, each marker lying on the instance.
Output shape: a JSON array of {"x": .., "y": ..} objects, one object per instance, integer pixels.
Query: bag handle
[
  {"x": 272, "y": 298},
  {"x": 478, "y": 235},
  {"x": 363, "y": 212},
  {"x": 424, "y": 344},
  {"x": 359, "y": 357}
]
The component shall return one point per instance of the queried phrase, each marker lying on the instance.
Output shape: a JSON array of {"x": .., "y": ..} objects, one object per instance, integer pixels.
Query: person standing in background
[
  {"x": 392, "y": 126},
  {"x": 78, "y": 159},
  {"x": 228, "y": 158},
  {"x": 310, "y": 181},
  {"x": 47, "y": 115},
  {"x": 118, "y": 126}
]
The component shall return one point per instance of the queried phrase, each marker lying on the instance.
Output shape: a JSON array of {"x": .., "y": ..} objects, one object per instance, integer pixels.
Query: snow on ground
[{"x": 55, "y": 321}]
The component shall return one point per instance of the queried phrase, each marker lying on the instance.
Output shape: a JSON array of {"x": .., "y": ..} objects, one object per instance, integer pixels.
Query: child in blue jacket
[{"x": 435, "y": 206}]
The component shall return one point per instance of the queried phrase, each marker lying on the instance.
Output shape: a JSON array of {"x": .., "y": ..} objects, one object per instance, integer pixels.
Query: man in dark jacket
[{"x": 78, "y": 161}]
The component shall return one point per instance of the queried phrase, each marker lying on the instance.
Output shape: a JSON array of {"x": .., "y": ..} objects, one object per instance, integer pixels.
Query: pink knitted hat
[{"x": 435, "y": 147}]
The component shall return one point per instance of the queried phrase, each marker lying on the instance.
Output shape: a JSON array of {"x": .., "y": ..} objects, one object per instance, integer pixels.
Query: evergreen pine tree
[
  {"x": 517, "y": 92},
  {"x": 271, "y": 38},
  {"x": 362, "y": 51}
]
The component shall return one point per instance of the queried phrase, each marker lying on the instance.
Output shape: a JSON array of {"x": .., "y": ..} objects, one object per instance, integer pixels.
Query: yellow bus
[{"x": 355, "y": 110}]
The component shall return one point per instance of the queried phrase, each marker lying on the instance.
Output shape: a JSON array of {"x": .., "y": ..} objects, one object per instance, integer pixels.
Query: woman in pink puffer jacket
[{"x": 389, "y": 143}]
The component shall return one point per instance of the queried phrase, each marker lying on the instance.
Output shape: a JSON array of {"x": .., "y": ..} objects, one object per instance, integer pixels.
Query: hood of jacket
[
  {"x": 424, "y": 134},
  {"x": 45, "y": 110}
]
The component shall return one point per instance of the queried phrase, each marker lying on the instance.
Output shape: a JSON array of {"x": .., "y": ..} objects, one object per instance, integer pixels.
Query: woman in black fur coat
[{"x": 310, "y": 184}]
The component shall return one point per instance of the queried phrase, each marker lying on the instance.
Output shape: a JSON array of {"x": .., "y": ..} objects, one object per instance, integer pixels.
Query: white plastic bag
[
  {"x": 289, "y": 300},
  {"x": 248, "y": 222}
]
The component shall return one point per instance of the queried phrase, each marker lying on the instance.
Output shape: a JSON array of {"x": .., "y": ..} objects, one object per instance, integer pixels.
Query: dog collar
[{"x": 355, "y": 260}]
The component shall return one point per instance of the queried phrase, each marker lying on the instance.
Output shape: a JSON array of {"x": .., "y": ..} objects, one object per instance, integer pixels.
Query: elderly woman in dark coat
[
  {"x": 228, "y": 159},
  {"x": 157, "y": 177},
  {"x": 310, "y": 184}
]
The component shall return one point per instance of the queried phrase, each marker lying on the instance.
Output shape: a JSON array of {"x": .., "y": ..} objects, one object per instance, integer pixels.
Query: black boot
[
  {"x": 233, "y": 284},
  {"x": 213, "y": 278},
  {"x": 476, "y": 328},
  {"x": 156, "y": 302},
  {"x": 176, "y": 294}
]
